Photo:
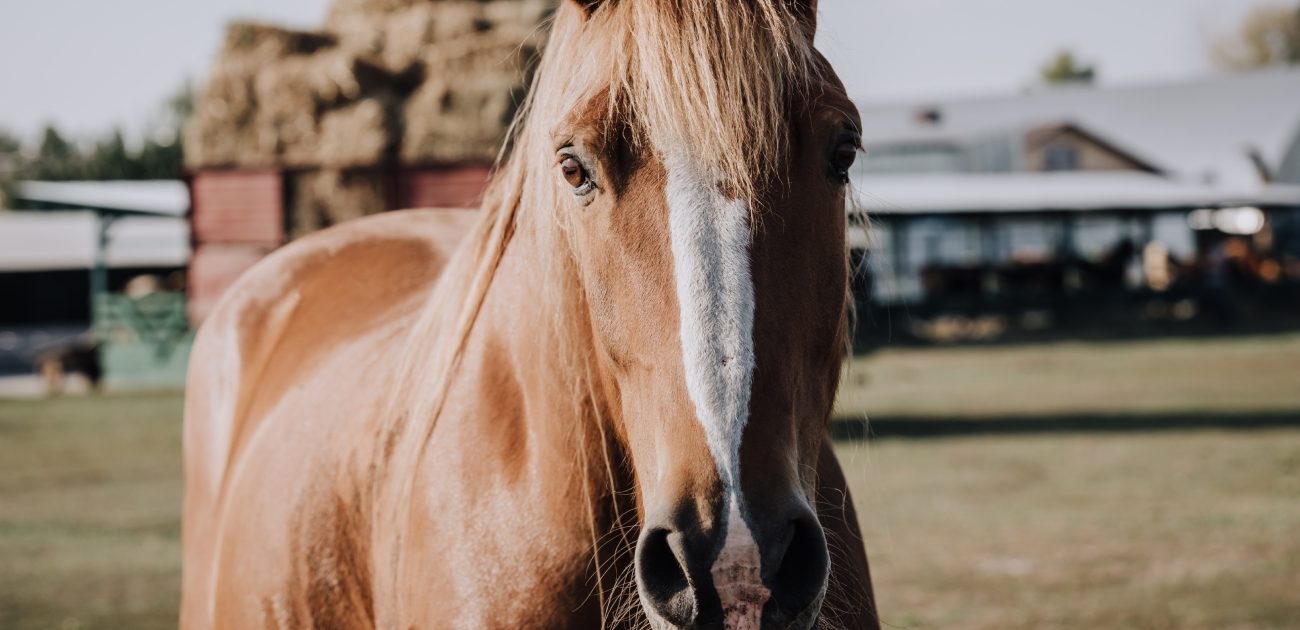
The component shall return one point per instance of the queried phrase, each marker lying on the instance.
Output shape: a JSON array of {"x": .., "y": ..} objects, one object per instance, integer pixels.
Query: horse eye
[
  {"x": 574, "y": 173},
  {"x": 842, "y": 158}
]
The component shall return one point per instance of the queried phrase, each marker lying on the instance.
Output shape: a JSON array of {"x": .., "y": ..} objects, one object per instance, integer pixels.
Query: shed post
[{"x": 99, "y": 268}]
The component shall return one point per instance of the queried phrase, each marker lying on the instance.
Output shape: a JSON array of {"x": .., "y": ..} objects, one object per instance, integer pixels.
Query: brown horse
[{"x": 602, "y": 401}]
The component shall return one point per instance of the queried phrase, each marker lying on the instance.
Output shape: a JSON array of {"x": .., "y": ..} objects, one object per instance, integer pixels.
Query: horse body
[
  {"x": 596, "y": 407},
  {"x": 284, "y": 537}
]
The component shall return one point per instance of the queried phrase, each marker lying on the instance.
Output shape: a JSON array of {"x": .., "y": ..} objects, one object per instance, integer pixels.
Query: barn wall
[
  {"x": 446, "y": 187},
  {"x": 238, "y": 217},
  {"x": 241, "y": 216},
  {"x": 1092, "y": 156},
  {"x": 238, "y": 207}
]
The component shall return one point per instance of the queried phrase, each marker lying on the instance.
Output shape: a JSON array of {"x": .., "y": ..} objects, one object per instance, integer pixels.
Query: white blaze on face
[{"x": 715, "y": 293}]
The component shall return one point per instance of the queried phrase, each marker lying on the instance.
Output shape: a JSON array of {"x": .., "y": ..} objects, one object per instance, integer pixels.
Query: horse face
[{"x": 718, "y": 325}]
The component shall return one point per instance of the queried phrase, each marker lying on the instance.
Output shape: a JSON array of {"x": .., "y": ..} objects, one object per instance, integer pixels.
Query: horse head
[{"x": 695, "y": 157}]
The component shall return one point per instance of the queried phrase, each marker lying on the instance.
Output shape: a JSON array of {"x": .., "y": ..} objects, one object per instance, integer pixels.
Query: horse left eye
[{"x": 842, "y": 158}]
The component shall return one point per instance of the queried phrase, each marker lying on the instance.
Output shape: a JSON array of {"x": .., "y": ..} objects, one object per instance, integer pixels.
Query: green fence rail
[{"x": 145, "y": 341}]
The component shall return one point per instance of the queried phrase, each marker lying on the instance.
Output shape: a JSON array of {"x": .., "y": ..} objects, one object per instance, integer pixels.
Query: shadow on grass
[{"x": 851, "y": 429}]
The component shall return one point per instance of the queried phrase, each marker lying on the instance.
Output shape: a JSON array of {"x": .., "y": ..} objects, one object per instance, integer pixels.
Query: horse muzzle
[{"x": 730, "y": 571}]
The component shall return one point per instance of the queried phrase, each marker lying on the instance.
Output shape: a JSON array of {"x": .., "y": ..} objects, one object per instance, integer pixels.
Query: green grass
[
  {"x": 89, "y": 512},
  {"x": 1175, "y": 529},
  {"x": 1168, "y": 377},
  {"x": 1186, "y": 530}
]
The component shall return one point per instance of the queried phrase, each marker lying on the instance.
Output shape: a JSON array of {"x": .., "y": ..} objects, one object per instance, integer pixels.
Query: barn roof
[
  {"x": 1201, "y": 129},
  {"x": 153, "y": 197},
  {"x": 1071, "y": 191},
  {"x": 51, "y": 241}
]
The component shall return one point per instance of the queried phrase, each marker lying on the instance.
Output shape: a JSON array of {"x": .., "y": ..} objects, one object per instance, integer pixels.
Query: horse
[{"x": 601, "y": 401}]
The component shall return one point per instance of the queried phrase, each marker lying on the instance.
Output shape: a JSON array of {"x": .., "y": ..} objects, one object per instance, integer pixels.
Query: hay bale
[
  {"x": 361, "y": 134},
  {"x": 446, "y": 124},
  {"x": 268, "y": 104},
  {"x": 329, "y": 196},
  {"x": 258, "y": 41},
  {"x": 232, "y": 115},
  {"x": 428, "y": 81},
  {"x": 341, "y": 10}
]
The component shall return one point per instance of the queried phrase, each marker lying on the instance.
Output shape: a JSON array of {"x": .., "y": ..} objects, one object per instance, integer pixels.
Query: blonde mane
[{"x": 713, "y": 77}]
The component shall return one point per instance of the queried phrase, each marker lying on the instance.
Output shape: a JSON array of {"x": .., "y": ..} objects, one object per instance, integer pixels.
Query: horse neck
[{"x": 536, "y": 340}]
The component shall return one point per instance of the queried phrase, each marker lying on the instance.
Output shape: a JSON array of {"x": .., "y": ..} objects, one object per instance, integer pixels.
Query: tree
[
  {"x": 1269, "y": 36},
  {"x": 163, "y": 156},
  {"x": 111, "y": 160},
  {"x": 56, "y": 158},
  {"x": 9, "y": 143},
  {"x": 160, "y": 155},
  {"x": 1064, "y": 68},
  {"x": 161, "y": 160},
  {"x": 10, "y": 161}
]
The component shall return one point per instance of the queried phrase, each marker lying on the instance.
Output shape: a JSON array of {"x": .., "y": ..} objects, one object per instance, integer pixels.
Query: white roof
[
  {"x": 1065, "y": 191},
  {"x": 164, "y": 196},
  {"x": 1200, "y": 130},
  {"x": 48, "y": 241}
]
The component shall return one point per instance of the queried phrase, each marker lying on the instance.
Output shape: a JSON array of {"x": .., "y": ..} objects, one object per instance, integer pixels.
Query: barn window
[{"x": 1061, "y": 157}]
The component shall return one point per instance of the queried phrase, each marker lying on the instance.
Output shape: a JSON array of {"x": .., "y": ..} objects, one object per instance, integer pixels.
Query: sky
[{"x": 90, "y": 65}]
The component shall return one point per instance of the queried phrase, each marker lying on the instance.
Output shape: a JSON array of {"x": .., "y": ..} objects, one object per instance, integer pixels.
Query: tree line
[{"x": 55, "y": 157}]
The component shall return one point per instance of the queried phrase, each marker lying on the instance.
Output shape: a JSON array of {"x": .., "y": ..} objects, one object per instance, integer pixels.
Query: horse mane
[{"x": 712, "y": 77}]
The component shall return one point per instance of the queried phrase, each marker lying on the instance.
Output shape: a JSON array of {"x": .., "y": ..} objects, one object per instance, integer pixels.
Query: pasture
[{"x": 1176, "y": 528}]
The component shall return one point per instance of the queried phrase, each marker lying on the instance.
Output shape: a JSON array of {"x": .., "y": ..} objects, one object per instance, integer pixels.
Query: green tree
[
  {"x": 161, "y": 160},
  {"x": 1064, "y": 68},
  {"x": 10, "y": 162},
  {"x": 56, "y": 158},
  {"x": 110, "y": 159},
  {"x": 160, "y": 155},
  {"x": 1269, "y": 36},
  {"x": 9, "y": 143}
]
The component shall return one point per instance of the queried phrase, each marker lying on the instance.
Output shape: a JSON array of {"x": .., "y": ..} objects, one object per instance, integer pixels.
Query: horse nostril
[
  {"x": 664, "y": 579},
  {"x": 801, "y": 579}
]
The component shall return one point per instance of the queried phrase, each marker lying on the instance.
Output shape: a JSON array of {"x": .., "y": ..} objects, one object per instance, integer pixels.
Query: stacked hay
[
  {"x": 420, "y": 81},
  {"x": 324, "y": 197}
]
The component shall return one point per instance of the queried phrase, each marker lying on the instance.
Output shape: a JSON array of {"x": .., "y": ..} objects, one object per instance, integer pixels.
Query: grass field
[
  {"x": 89, "y": 512},
  {"x": 1172, "y": 529},
  {"x": 1185, "y": 530},
  {"x": 1223, "y": 375}
]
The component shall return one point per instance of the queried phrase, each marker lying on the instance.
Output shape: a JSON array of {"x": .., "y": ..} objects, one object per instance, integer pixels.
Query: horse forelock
[{"x": 712, "y": 78}]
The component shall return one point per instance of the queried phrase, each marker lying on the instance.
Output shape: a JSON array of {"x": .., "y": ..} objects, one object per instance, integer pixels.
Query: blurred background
[{"x": 1074, "y": 399}]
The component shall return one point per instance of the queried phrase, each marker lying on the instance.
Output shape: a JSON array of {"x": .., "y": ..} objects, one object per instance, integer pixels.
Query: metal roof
[
  {"x": 964, "y": 193},
  {"x": 1200, "y": 130},
  {"x": 50, "y": 241},
  {"x": 155, "y": 197}
]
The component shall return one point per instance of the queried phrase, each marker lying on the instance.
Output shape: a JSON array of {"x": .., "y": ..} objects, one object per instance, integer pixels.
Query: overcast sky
[{"x": 88, "y": 65}]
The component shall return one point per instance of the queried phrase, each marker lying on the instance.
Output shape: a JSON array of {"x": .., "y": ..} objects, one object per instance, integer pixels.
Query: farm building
[
  {"x": 995, "y": 201},
  {"x": 389, "y": 105},
  {"x": 1076, "y": 196},
  {"x": 101, "y": 257}
]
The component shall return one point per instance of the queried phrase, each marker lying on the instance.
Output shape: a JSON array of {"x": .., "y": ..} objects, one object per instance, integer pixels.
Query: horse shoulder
[{"x": 284, "y": 321}]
